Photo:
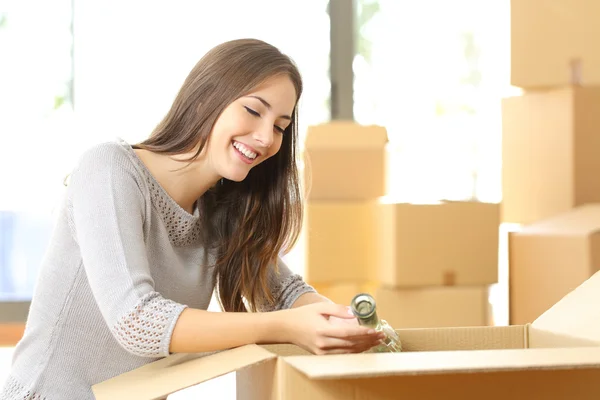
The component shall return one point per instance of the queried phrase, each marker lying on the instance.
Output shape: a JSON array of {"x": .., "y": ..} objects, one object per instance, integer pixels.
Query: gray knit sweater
[{"x": 123, "y": 262}]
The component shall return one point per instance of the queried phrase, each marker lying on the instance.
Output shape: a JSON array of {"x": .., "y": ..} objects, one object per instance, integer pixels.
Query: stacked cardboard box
[
  {"x": 551, "y": 137},
  {"x": 435, "y": 262},
  {"x": 345, "y": 168},
  {"x": 550, "y": 151},
  {"x": 551, "y": 146},
  {"x": 550, "y": 258},
  {"x": 554, "y": 43},
  {"x": 427, "y": 265}
]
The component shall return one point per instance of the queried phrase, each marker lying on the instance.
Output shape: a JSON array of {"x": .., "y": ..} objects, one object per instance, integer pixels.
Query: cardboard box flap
[
  {"x": 464, "y": 338},
  {"x": 573, "y": 321},
  {"x": 179, "y": 371},
  {"x": 582, "y": 220},
  {"x": 338, "y": 135},
  {"x": 352, "y": 366}
]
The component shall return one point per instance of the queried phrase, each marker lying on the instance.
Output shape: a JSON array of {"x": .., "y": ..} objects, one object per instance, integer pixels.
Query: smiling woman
[
  {"x": 146, "y": 232},
  {"x": 262, "y": 193}
]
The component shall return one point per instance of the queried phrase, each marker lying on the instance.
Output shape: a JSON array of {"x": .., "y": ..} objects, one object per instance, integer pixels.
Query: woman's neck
[{"x": 184, "y": 182}]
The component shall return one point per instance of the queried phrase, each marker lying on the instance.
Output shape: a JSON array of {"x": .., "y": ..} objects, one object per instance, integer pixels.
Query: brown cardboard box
[
  {"x": 340, "y": 241},
  {"x": 447, "y": 243},
  {"x": 550, "y": 149},
  {"x": 434, "y": 307},
  {"x": 343, "y": 293},
  {"x": 550, "y": 258},
  {"x": 548, "y": 36},
  {"x": 543, "y": 360},
  {"x": 345, "y": 161}
]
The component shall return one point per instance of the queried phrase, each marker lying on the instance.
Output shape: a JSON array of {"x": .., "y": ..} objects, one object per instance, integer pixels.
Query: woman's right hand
[{"x": 311, "y": 328}]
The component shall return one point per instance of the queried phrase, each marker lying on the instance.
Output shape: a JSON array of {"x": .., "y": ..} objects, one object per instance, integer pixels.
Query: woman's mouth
[{"x": 245, "y": 154}]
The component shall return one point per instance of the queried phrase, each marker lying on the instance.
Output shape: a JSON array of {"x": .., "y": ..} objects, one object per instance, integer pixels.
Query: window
[
  {"x": 433, "y": 72},
  {"x": 36, "y": 111}
]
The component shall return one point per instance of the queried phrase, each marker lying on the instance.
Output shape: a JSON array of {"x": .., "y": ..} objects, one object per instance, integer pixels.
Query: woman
[{"x": 147, "y": 232}]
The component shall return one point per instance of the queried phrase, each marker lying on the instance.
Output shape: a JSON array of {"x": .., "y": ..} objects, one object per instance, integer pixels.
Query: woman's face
[{"x": 250, "y": 129}]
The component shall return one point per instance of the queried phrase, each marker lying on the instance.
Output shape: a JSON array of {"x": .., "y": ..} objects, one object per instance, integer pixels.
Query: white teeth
[{"x": 244, "y": 150}]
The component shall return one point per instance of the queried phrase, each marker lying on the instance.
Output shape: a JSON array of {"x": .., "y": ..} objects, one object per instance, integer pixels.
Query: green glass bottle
[{"x": 364, "y": 308}]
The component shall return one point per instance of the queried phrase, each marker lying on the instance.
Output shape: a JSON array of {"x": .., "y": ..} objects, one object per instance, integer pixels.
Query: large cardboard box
[
  {"x": 340, "y": 241},
  {"x": 345, "y": 161},
  {"x": 555, "y": 357},
  {"x": 550, "y": 146},
  {"x": 550, "y": 258},
  {"x": 447, "y": 243},
  {"x": 554, "y": 43},
  {"x": 434, "y": 307}
]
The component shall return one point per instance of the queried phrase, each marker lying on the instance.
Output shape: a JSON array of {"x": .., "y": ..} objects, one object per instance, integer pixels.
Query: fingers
[
  {"x": 343, "y": 321},
  {"x": 335, "y": 310},
  {"x": 349, "y": 332}
]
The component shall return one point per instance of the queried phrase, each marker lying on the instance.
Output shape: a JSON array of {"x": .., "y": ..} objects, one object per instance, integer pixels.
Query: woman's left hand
[{"x": 343, "y": 321}]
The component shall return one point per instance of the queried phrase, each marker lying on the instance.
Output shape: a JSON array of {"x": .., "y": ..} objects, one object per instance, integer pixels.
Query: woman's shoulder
[
  {"x": 110, "y": 158},
  {"x": 104, "y": 152}
]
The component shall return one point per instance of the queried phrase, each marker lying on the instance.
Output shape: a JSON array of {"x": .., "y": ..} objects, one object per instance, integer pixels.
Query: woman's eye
[
  {"x": 251, "y": 111},
  {"x": 256, "y": 114}
]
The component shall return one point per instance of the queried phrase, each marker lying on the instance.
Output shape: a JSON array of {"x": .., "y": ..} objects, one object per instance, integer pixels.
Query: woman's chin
[{"x": 236, "y": 176}]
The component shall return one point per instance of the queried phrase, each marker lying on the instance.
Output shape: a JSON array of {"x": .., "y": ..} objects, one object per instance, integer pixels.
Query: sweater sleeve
[
  {"x": 108, "y": 213},
  {"x": 286, "y": 287}
]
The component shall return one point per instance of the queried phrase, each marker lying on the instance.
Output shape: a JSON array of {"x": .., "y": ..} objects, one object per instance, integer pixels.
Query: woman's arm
[
  {"x": 289, "y": 289},
  {"x": 198, "y": 331},
  {"x": 108, "y": 211},
  {"x": 309, "y": 327}
]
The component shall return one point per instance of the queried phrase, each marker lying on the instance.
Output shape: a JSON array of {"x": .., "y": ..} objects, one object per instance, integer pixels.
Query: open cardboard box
[{"x": 555, "y": 357}]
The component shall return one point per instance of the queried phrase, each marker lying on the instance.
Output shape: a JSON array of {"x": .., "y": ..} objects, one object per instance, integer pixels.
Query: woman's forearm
[
  {"x": 310, "y": 298},
  {"x": 198, "y": 331}
]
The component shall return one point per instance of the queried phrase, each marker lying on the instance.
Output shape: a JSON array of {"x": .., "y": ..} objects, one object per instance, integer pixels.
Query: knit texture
[{"x": 123, "y": 262}]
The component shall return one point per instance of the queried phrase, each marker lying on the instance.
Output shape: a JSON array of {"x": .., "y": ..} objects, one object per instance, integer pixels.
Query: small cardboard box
[
  {"x": 447, "y": 243},
  {"x": 11, "y": 333},
  {"x": 550, "y": 258},
  {"x": 340, "y": 241},
  {"x": 554, "y": 43},
  {"x": 434, "y": 307},
  {"x": 555, "y": 357},
  {"x": 345, "y": 161},
  {"x": 550, "y": 147}
]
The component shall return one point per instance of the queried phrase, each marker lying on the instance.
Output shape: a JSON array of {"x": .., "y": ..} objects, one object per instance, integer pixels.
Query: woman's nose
[{"x": 264, "y": 136}]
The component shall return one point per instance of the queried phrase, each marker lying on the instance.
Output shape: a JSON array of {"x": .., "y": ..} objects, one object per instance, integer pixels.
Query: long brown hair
[{"x": 249, "y": 223}]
